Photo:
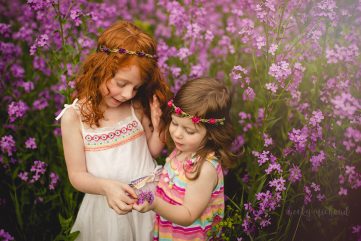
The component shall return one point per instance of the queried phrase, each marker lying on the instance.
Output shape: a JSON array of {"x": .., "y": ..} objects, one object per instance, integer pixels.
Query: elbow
[{"x": 73, "y": 181}]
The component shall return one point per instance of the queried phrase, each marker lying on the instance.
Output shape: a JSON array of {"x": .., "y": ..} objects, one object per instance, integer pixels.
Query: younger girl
[
  {"x": 189, "y": 198},
  {"x": 110, "y": 133}
]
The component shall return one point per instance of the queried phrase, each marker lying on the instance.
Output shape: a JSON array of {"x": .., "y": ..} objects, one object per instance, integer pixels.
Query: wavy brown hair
[
  {"x": 100, "y": 67},
  {"x": 208, "y": 98}
]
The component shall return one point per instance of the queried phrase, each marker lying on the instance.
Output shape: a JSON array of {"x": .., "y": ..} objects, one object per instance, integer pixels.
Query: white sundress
[{"x": 119, "y": 152}]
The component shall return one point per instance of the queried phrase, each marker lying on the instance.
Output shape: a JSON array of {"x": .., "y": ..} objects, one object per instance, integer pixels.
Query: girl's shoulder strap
[
  {"x": 213, "y": 160},
  {"x": 66, "y": 107}
]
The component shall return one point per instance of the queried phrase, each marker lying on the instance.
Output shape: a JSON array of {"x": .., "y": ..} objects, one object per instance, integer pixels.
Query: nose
[
  {"x": 127, "y": 93},
  {"x": 177, "y": 133}
]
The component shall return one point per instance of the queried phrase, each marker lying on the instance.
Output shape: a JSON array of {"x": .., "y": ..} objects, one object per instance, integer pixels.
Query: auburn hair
[
  {"x": 100, "y": 67},
  {"x": 208, "y": 98}
]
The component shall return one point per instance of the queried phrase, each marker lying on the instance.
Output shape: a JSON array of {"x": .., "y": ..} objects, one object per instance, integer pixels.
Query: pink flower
[
  {"x": 170, "y": 103},
  {"x": 212, "y": 121},
  {"x": 196, "y": 119},
  {"x": 178, "y": 111}
]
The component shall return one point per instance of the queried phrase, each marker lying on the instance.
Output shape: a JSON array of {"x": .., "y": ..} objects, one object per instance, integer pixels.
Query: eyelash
[
  {"x": 188, "y": 132},
  {"x": 121, "y": 85}
]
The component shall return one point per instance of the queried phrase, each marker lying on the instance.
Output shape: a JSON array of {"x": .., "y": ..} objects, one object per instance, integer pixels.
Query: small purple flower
[
  {"x": 42, "y": 40},
  {"x": 17, "y": 110},
  {"x": 24, "y": 176},
  {"x": 249, "y": 94},
  {"x": 267, "y": 140},
  {"x": 279, "y": 184},
  {"x": 273, "y": 167},
  {"x": 295, "y": 174},
  {"x": 145, "y": 196},
  {"x": 30, "y": 143},
  {"x": 38, "y": 168},
  {"x": 5, "y": 235},
  {"x": 342, "y": 192},
  {"x": 272, "y": 87},
  {"x": 237, "y": 143},
  {"x": 7, "y": 145},
  {"x": 280, "y": 71},
  {"x": 263, "y": 158},
  {"x": 316, "y": 118},
  {"x": 54, "y": 179},
  {"x": 272, "y": 49},
  {"x": 40, "y": 103},
  {"x": 317, "y": 160}
]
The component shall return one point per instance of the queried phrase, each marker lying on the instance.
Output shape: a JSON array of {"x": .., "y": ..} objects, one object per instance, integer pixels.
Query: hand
[
  {"x": 120, "y": 196},
  {"x": 144, "y": 207},
  {"x": 155, "y": 113}
]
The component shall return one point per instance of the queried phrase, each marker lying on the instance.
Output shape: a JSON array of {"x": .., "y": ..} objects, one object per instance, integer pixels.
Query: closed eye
[{"x": 121, "y": 85}]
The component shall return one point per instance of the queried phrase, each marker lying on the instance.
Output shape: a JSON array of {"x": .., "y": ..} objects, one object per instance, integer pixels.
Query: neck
[{"x": 181, "y": 156}]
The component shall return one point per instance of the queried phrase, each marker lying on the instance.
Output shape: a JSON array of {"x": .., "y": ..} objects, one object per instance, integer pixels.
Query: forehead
[
  {"x": 130, "y": 74},
  {"x": 186, "y": 122}
]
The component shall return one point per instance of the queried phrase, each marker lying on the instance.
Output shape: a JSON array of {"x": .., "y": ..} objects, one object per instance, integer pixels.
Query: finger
[
  {"x": 124, "y": 207},
  {"x": 139, "y": 207},
  {"x": 118, "y": 210},
  {"x": 130, "y": 191},
  {"x": 155, "y": 100}
]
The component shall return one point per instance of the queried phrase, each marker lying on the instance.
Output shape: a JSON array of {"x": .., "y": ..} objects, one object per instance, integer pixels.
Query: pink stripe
[
  {"x": 180, "y": 229},
  {"x": 160, "y": 192}
]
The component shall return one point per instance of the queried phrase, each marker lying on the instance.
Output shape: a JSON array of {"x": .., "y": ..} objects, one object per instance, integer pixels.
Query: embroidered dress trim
[{"x": 99, "y": 142}]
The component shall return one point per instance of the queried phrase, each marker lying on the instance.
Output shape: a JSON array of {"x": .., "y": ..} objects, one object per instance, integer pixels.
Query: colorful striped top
[{"x": 172, "y": 188}]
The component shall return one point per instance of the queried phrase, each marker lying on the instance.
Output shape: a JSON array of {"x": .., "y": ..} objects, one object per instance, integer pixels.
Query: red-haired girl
[{"x": 112, "y": 131}]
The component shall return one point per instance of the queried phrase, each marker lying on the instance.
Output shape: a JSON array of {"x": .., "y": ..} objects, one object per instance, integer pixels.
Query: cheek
[{"x": 171, "y": 129}]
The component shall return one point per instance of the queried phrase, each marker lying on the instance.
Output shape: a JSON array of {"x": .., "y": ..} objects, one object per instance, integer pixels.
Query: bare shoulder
[
  {"x": 208, "y": 171},
  {"x": 70, "y": 118}
]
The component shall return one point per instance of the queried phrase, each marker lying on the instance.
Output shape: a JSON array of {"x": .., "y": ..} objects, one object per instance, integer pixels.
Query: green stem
[
  {"x": 298, "y": 223},
  {"x": 17, "y": 207}
]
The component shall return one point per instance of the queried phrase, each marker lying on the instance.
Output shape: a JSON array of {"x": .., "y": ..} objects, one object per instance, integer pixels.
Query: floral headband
[
  {"x": 195, "y": 119},
  {"x": 124, "y": 51}
]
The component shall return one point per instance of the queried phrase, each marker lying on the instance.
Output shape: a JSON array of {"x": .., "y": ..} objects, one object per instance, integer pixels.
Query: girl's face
[
  {"x": 122, "y": 87},
  {"x": 187, "y": 136}
]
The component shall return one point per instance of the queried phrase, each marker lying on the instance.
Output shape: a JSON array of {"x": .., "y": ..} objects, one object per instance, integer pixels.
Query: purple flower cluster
[
  {"x": 350, "y": 178},
  {"x": 313, "y": 188},
  {"x": 295, "y": 174},
  {"x": 299, "y": 138},
  {"x": 259, "y": 215},
  {"x": 30, "y": 143},
  {"x": 280, "y": 71},
  {"x": 17, "y": 110},
  {"x": 5, "y": 235},
  {"x": 278, "y": 184},
  {"x": 7, "y": 145},
  {"x": 317, "y": 160},
  {"x": 38, "y": 169},
  {"x": 54, "y": 179},
  {"x": 145, "y": 196}
]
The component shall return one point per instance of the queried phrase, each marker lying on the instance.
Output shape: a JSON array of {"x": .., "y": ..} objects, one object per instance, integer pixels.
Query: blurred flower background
[{"x": 294, "y": 67}]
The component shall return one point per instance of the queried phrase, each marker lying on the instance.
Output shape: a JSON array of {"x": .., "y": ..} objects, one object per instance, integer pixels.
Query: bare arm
[
  {"x": 79, "y": 177},
  {"x": 196, "y": 199}
]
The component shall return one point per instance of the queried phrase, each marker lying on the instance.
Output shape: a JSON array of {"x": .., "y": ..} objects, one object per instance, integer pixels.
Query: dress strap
[
  {"x": 66, "y": 106},
  {"x": 133, "y": 112},
  {"x": 213, "y": 160}
]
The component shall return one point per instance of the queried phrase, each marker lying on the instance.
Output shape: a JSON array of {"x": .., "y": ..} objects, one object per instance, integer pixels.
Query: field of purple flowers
[{"x": 294, "y": 66}]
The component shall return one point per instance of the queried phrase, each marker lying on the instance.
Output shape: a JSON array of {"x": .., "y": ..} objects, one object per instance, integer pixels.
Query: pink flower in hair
[
  {"x": 178, "y": 110},
  {"x": 196, "y": 119},
  {"x": 170, "y": 103},
  {"x": 212, "y": 121}
]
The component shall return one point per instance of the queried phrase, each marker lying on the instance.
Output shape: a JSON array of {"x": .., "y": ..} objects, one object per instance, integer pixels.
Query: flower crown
[
  {"x": 195, "y": 119},
  {"x": 124, "y": 51}
]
